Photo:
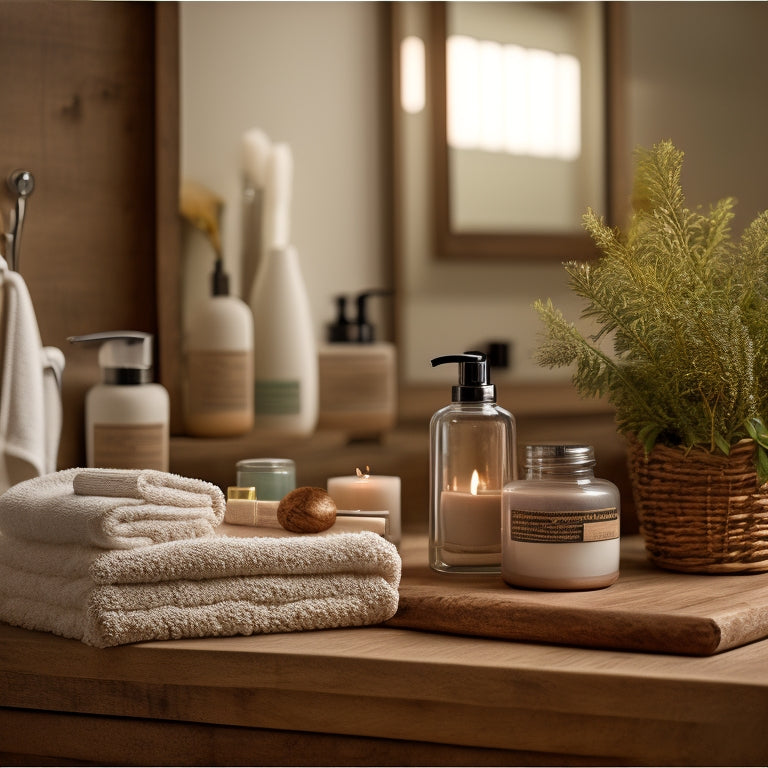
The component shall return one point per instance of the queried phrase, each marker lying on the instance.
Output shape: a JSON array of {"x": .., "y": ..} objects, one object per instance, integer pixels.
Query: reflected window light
[
  {"x": 569, "y": 107},
  {"x": 491, "y": 133},
  {"x": 506, "y": 98},
  {"x": 462, "y": 97},
  {"x": 412, "y": 75},
  {"x": 542, "y": 87},
  {"x": 515, "y": 98}
]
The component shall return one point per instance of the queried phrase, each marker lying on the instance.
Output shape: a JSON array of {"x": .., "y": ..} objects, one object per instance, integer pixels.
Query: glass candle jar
[
  {"x": 560, "y": 525},
  {"x": 472, "y": 456},
  {"x": 272, "y": 478}
]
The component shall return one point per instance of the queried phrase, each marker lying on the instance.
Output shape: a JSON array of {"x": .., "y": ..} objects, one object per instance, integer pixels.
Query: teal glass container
[{"x": 272, "y": 478}]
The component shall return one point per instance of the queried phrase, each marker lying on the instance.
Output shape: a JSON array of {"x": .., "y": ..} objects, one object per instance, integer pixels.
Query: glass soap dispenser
[{"x": 472, "y": 458}]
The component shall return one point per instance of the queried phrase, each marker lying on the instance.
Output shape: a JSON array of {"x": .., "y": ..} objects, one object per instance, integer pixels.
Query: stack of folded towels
[{"x": 120, "y": 556}]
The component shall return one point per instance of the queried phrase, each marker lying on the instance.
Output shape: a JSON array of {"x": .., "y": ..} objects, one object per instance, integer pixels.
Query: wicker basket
[{"x": 701, "y": 512}]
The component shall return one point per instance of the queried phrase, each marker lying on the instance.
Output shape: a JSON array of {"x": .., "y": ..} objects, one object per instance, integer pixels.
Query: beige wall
[
  {"x": 312, "y": 74},
  {"x": 308, "y": 74}
]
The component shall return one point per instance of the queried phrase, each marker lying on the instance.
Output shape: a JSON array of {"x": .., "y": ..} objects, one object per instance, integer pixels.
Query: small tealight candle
[{"x": 369, "y": 493}]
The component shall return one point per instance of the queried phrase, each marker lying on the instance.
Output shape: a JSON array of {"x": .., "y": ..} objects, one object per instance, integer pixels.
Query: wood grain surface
[
  {"x": 378, "y": 696},
  {"x": 648, "y": 609},
  {"x": 91, "y": 108}
]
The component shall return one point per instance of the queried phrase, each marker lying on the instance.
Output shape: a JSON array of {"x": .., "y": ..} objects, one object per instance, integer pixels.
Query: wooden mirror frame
[{"x": 452, "y": 245}]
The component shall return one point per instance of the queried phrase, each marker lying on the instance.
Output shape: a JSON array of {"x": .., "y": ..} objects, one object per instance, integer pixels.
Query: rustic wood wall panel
[{"x": 79, "y": 91}]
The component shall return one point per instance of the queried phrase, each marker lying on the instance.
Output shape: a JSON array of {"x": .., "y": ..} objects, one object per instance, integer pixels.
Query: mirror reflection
[
  {"x": 524, "y": 111},
  {"x": 685, "y": 71}
]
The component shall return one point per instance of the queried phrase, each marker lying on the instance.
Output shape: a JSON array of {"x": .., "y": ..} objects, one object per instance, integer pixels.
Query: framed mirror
[
  {"x": 481, "y": 287},
  {"x": 521, "y": 123}
]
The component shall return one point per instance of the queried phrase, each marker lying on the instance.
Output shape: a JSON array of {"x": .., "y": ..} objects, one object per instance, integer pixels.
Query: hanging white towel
[
  {"x": 53, "y": 370},
  {"x": 30, "y": 401}
]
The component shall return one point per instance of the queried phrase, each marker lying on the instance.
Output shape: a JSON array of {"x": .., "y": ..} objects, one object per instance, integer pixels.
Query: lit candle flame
[
  {"x": 365, "y": 474},
  {"x": 474, "y": 482}
]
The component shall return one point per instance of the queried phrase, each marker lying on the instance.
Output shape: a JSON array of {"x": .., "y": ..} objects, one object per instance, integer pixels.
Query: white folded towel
[
  {"x": 30, "y": 420},
  {"x": 201, "y": 588},
  {"x": 133, "y": 508},
  {"x": 222, "y": 557}
]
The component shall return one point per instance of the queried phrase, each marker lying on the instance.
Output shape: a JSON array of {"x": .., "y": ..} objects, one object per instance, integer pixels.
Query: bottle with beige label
[
  {"x": 127, "y": 415},
  {"x": 357, "y": 375},
  {"x": 560, "y": 525},
  {"x": 218, "y": 364}
]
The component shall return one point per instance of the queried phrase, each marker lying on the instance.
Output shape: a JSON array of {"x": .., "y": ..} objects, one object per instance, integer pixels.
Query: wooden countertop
[{"x": 376, "y": 696}]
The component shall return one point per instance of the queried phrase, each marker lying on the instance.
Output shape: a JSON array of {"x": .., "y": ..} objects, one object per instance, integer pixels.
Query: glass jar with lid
[{"x": 560, "y": 525}]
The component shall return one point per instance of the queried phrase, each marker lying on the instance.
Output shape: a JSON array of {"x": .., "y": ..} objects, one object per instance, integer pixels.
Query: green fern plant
[{"x": 679, "y": 313}]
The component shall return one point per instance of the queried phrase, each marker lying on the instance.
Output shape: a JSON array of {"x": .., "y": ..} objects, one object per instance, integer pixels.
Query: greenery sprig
[{"x": 679, "y": 316}]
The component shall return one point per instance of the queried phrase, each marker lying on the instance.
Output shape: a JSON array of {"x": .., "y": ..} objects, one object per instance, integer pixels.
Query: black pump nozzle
[
  {"x": 338, "y": 330},
  {"x": 474, "y": 378},
  {"x": 219, "y": 280},
  {"x": 359, "y": 330},
  {"x": 365, "y": 329}
]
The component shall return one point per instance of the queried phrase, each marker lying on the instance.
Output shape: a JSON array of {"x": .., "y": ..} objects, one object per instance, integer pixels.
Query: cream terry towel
[
  {"x": 133, "y": 508},
  {"x": 30, "y": 399},
  {"x": 201, "y": 588}
]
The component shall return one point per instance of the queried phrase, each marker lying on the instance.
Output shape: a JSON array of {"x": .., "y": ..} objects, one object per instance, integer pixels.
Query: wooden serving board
[{"x": 647, "y": 609}]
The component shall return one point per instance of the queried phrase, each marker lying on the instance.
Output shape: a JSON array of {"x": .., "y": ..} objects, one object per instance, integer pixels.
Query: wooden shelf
[
  {"x": 404, "y": 453},
  {"x": 529, "y": 400}
]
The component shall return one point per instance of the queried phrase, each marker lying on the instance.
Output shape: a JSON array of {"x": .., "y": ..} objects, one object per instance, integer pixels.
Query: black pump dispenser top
[
  {"x": 474, "y": 378},
  {"x": 339, "y": 329},
  {"x": 358, "y": 331},
  {"x": 219, "y": 280}
]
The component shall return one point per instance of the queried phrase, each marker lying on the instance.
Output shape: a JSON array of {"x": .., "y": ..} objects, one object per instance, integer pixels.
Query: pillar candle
[
  {"x": 471, "y": 521},
  {"x": 369, "y": 493}
]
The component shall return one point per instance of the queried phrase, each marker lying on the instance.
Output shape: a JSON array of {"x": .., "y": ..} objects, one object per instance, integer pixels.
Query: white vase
[{"x": 284, "y": 347}]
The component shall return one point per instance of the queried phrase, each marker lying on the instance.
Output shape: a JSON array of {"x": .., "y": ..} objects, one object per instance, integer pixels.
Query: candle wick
[{"x": 363, "y": 474}]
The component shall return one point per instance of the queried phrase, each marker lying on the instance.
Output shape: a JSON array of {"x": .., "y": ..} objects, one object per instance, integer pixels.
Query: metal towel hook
[{"x": 21, "y": 184}]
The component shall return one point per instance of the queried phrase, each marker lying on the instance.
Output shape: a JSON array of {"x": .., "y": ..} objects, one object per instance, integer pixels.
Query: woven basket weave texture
[{"x": 701, "y": 512}]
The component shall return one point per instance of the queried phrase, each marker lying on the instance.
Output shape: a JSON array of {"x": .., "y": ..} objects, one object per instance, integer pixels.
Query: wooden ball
[{"x": 306, "y": 510}]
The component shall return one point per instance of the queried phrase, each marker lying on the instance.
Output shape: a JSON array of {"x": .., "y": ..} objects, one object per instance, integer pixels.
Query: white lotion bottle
[
  {"x": 127, "y": 415},
  {"x": 218, "y": 364},
  {"x": 285, "y": 362}
]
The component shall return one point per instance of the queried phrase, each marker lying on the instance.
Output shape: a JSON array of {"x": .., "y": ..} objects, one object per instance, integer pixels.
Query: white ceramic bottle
[
  {"x": 284, "y": 347},
  {"x": 127, "y": 415},
  {"x": 218, "y": 364}
]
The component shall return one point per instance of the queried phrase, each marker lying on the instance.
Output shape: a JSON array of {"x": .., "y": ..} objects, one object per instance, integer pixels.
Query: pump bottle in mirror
[{"x": 358, "y": 374}]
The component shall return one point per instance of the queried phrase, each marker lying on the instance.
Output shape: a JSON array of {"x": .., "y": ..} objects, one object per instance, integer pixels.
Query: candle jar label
[{"x": 563, "y": 526}]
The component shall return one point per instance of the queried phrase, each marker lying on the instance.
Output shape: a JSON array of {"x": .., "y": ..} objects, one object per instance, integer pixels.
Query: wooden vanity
[{"x": 376, "y": 696}]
